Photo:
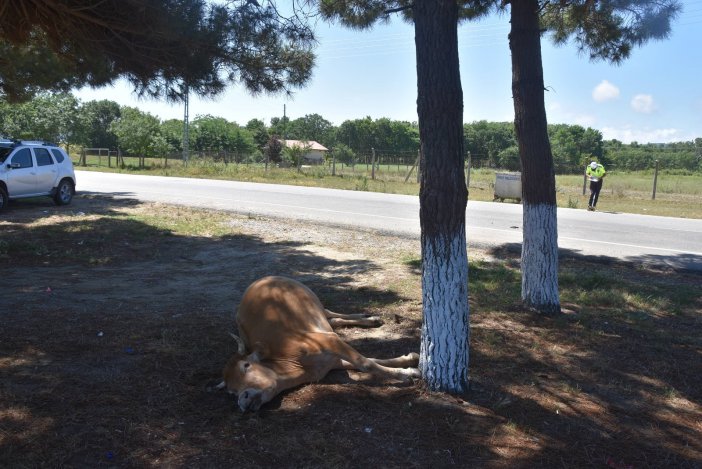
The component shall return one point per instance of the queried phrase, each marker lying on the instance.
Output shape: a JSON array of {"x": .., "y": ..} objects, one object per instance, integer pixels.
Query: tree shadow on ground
[
  {"x": 110, "y": 365},
  {"x": 615, "y": 382},
  {"x": 112, "y": 331},
  {"x": 680, "y": 262}
]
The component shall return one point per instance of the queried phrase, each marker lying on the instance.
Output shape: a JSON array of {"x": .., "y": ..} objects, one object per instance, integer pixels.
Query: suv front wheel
[
  {"x": 4, "y": 200},
  {"x": 64, "y": 192}
]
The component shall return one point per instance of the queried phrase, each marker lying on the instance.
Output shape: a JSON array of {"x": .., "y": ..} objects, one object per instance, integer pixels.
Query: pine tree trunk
[
  {"x": 540, "y": 243},
  {"x": 443, "y": 197}
]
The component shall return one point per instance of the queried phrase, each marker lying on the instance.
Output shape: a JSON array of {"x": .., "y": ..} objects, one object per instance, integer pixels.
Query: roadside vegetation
[
  {"x": 108, "y": 126},
  {"x": 98, "y": 132},
  {"x": 121, "y": 376}
]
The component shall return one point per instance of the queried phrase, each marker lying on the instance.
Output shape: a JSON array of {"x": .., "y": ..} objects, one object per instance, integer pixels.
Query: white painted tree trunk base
[
  {"x": 445, "y": 328},
  {"x": 540, "y": 258}
]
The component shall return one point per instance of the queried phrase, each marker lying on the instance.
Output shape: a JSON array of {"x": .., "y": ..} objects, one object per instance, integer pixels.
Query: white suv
[{"x": 33, "y": 169}]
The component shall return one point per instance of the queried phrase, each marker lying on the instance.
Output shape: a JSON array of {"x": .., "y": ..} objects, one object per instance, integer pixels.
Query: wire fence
[
  {"x": 383, "y": 166},
  {"x": 383, "y": 161},
  {"x": 380, "y": 164}
]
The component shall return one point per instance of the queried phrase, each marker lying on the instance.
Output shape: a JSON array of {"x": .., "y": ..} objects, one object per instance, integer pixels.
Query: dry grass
[{"x": 114, "y": 318}]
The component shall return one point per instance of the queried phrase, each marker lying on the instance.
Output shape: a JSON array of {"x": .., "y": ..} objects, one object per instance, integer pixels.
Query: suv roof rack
[
  {"x": 35, "y": 142},
  {"x": 14, "y": 142}
]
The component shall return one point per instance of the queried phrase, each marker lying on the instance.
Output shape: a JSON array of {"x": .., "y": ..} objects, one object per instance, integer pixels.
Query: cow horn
[{"x": 240, "y": 342}]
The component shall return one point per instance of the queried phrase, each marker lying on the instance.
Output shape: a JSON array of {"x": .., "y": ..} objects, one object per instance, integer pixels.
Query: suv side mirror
[{"x": 13, "y": 165}]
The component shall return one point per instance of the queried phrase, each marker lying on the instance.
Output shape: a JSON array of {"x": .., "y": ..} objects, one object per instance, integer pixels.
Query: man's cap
[{"x": 593, "y": 165}]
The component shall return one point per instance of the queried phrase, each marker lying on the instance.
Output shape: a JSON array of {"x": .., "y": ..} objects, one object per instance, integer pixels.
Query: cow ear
[
  {"x": 260, "y": 350},
  {"x": 254, "y": 357}
]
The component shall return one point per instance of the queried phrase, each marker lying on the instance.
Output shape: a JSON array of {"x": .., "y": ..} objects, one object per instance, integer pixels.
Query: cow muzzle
[{"x": 250, "y": 400}]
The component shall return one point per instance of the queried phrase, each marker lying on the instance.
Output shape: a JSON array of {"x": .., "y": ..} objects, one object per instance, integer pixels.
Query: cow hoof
[
  {"x": 413, "y": 373},
  {"x": 408, "y": 375},
  {"x": 412, "y": 358},
  {"x": 374, "y": 321}
]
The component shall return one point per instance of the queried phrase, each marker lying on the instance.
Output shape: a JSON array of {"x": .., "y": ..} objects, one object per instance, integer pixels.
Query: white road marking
[
  {"x": 581, "y": 240},
  {"x": 286, "y": 206}
]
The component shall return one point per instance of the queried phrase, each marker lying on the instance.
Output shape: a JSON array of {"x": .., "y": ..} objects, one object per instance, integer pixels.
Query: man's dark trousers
[{"x": 595, "y": 187}]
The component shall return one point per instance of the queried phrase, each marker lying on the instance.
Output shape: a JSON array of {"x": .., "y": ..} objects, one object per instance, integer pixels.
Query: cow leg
[
  {"x": 411, "y": 360},
  {"x": 333, "y": 344},
  {"x": 350, "y": 320}
]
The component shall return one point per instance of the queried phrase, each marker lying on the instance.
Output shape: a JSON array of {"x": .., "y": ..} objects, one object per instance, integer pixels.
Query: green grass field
[{"x": 677, "y": 195}]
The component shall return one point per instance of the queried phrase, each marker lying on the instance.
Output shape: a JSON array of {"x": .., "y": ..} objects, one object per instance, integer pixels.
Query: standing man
[{"x": 596, "y": 173}]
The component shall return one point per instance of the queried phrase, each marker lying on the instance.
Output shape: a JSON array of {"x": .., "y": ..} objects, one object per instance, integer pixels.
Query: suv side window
[
  {"x": 43, "y": 157},
  {"x": 57, "y": 154},
  {"x": 4, "y": 153},
  {"x": 23, "y": 157}
]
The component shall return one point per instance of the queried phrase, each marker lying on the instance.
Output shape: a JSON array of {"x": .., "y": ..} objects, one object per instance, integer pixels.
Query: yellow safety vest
[{"x": 597, "y": 172}]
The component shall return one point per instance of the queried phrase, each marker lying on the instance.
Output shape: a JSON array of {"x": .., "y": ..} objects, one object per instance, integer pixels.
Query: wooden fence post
[
  {"x": 655, "y": 181},
  {"x": 416, "y": 164},
  {"x": 468, "y": 165}
]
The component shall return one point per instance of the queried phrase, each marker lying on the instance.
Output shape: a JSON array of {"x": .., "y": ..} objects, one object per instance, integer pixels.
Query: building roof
[{"x": 309, "y": 144}]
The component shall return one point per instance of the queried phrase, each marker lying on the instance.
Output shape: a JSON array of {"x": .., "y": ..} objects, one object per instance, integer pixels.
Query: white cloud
[
  {"x": 553, "y": 107},
  {"x": 585, "y": 120},
  {"x": 605, "y": 91},
  {"x": 643, "y": 103},
  {"x": 557, "y": 113},
  {"x": 628, "y": 135}
]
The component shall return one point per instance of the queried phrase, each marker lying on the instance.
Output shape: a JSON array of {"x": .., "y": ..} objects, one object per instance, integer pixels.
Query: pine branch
[{"x": 398, "y": 9}]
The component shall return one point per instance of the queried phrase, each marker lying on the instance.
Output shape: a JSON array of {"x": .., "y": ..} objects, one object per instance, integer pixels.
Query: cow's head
[{"x": 253, "y": 382}]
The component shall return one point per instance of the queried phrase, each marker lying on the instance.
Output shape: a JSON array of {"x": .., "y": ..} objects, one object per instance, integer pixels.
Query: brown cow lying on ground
[{"x": 287, "y": 340}]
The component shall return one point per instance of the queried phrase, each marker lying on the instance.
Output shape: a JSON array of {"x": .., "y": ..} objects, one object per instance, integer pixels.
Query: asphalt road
[{"x": 660, "y": 241}]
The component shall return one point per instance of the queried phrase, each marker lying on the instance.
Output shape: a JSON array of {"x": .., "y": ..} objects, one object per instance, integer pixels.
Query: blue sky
[{"x": 654, "y": 96}]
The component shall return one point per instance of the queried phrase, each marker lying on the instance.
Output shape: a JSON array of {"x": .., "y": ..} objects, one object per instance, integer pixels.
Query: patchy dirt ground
[{"x": 111, "y": 331}]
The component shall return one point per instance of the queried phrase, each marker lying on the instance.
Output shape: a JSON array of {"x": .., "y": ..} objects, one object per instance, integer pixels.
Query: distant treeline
[
  {"x": 573, "y": 146},
  {"x": 62, "y": 118}
]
